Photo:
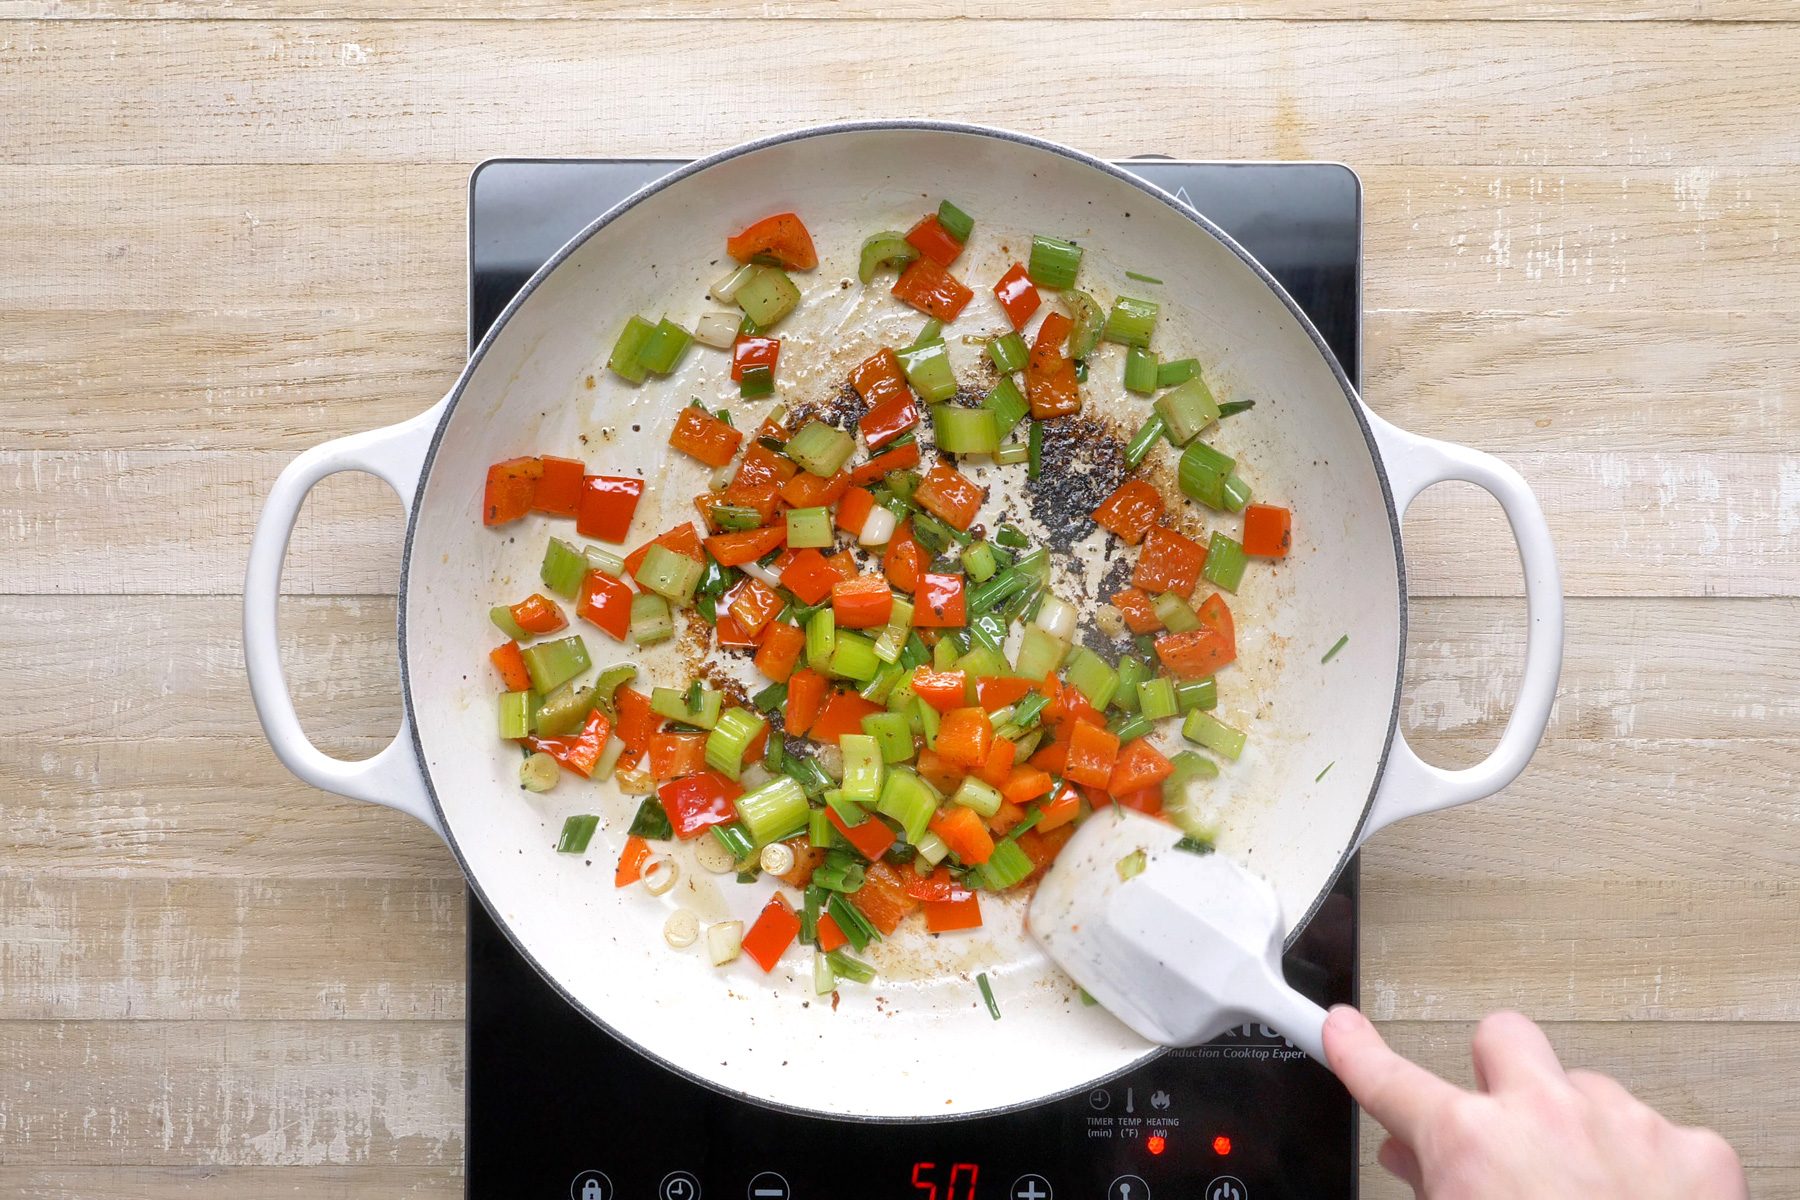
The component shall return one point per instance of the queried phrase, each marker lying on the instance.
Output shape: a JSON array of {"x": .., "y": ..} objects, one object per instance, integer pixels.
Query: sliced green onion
[
  {"x": 849, "y": 968},
  {"x": 1237, "y": 494},
  {"x": 1131, "y": 322},
  {"x": 927, "y": 368},
  {"x": 989, "y": 631},
  {"x": 1081, "y": 370},
  {"x": 1141, "y": 441},
  {"x": 1232, "y": 408},
  {"x": 853, "y": 656},
  {"x": 821, "y": 639},
  {"x": 552, "y": 664},
  {"x": 730, "y": 738},
  {"x": 1012, "y": 537},
  {"x": 1324, "y": 769},
  {"x": 1179, "y": 370},
  {"x": 736, "y": 841},
  {"x": 932, "y": 331},
  {"x": 978, "y": 561},
  {"x": 539, "y": 772},
  {"x": 726, "y": 289},
  {"x": 987, "y": 996},
  {"x": 516, "y": 709},
  {"x": 1012, "y": 454},
  {"x": 1175, "y": 614},
  {"x": 809, "y": 527},
  {"x": 1040, "y": 653},
  {"x": 697, "y": 708},
  {"x": 995, "y": 591},
  {"x": 664, "y": 347},
  {"x": 756, "y": 382},
  {"x": 607, "y": 683},
  {"x": 1132, "y": 865},
  {"x": 1196, "y": 845},
  {"x": 824, "y": 978},
  {"x": 1186, "y": 410},
  {"x": 1027, "y": 711},
  {"x": 1054, "y": 263},
  {"x": 1156, "y": 699},
  {"x": 1128, "y": 727},
  {"x": 1225, "y": 562},
  {"x": 975, "y": 794},
  {"x": 669, "y": 574},
  {"x": 821, "y": 449},
  {"x": 651, "y": 621},
  {"x": 1092, "y": 676},
  {"x": 893, "y": 735},
  {"x": 768, "y": 296},
  {"x": 957, "y": 223},
  {"x": 1008, "y": 352},
  {"x": 1140, "y": 371},
  {"x": 577, "y": 832},
  {"x": 889, "y": 248},
  {"x": 1089, "y": 320},
  {"x": 819, "y": 832},
  {"x": 854, "y": 926},
  {"x": 773, "y": 811},
  {"x": 651, "y": 821},
  {"x": 965, "y": 430},
  {"x": 1205, "y": 730},
  {"x": 768, "y": 700},
  {"x": 864, "y": 767},
  {"x": 1034, "y": 450},
  {"x": 1007, "y": 867},
  {"x": 624, "y": 360},
  {"x": 1335, "y": 647},
  {"x": 563, "y": 569},
  {"x": 502, "y": 617},
  {"x": 1191, "y": 694},
  {"x": 909, "y": 800}
]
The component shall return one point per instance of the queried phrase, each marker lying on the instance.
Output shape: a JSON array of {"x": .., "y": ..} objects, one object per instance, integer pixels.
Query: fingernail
[{"x": 1345, "y": 1019}]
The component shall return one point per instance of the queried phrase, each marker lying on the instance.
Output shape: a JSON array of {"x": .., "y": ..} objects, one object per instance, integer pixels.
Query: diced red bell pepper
[
  {"x": 779, "y": 650},
  {"x": 998, "y": 767},
  {"x": 903, "y": 560},
  {"x": 683, "y": 539},
  {"x": 940, "y": 886},
  {"x": 882, "y": 899},
  {"x": 943, "y": 690},
  {"x": 762, "y": 465},
  {"x": 807, "y": 490},
  {"x": 1026, "y": 784},
  {"x": 900, "y": 458},
  {"x": 1042, "y": 848},
  {"x": 938, "y": 771},
  {"x": 1268, "y": 531},
  {"x": 1140, "y": 765},
  {"x": 606, "y": 505},
  {"x": 736, "y": 549},
  {"x": 1130, "y": 511},
  {"x": 606, "y": 602},
  {"x": 930, "y": 238},
  {"x": 965, "y": 736},
  {"x": 962, "y": 831},
  {"x": 732, "y": 636},
  {"x": 761, "y": 497},
  {"x": 753, "y": 350},
  {"x": 1052, "y": 756},
  {"x": 705, "y": 437},
  {"x": 806, "y": 696},
  {"x": 637, "y": 852},
  {"x": 939, "y": 603},
  {"x": 1168, "y": 562},
  {"x": 511, "y": 485},
  {"x": 861, "y": 603},
  {"x": 695, "y": 803},
  {"x": 753, "y": 603},
  {"x": 1061, "y": 807},
  {"x": 807, "y": 858},
  {"x": 510, "y": 662},
  {"x": 538, "y": 613},
  {"x": 830, "y": 936},
  {"x": 995, "y": 692},
  {"x": 558, "y": 486},
  {"x": 1215, "y": 615},
  {"x": 948, "y": 916},
  {"x": 871, "y": 838},
  {"x": 774, "y": 931},
  {"x": 637, "y": 720},
  {"x": 1138, "y": 609},
  {"x": 673, "y": 755},
  {"x": 808, "y": 576},
  {"x": 888, "y": 420},
  {"x": 1092, "y": 752},
  {"x": 1004, "y": 818},
  {"x": 1196, "y": 653},
  {"x": 844, "y": 563},
  {"x": 949, "y": 494},
  {"x": 843, "y": 713},
  {"x": 880, "y": 378},
  {"x": 853, "y": 510},
  {"x": 1145, "y": 800},
  {"x": 578, "y": 752},
  {"x": 1017, "y": 296},
  {"x": 781, "y": 239},
  {"x": 1050, "y": 383},
  {"x": 932, "y": 290}
]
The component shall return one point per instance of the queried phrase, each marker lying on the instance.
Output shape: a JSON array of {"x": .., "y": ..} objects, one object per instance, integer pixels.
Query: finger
[
  {"x": 1601, "y": 1089},
  {"x": 1399, "y": 1094},
  {"x": 1398, "y": 1159},
  {"x": 1511, "y": 1052}
]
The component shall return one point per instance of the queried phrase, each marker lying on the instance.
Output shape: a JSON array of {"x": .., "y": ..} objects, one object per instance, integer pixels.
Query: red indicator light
[
  {"x": 1221, "y": 1145},
  {"x": 1156, "y": 1143}
]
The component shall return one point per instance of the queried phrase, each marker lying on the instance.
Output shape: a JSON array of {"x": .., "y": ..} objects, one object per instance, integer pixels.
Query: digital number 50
[{"x": 960, "y": 1185}]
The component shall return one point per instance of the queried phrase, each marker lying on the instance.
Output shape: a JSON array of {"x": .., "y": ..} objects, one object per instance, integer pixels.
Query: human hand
[{"x": 1531, "y": 1129}]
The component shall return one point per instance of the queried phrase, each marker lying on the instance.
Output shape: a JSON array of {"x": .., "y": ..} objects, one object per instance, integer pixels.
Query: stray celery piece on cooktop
[
  {"x": 1187, "y": 409},
  {"x": 577, "y": 832},
  {"x": 965, "y": 430},
  {"x": 651, "y": 621},
  {"x": 1089, "y": 320},
  {"x": 809, "y": 528},
  {"x": 756, "y": 382},
  {"x": 1177, "y": 371},
  {"x": 515, "y": 712},
  {"x": 669, "y": 573},
  {"x": 563, "y": 569},
  {"x": 1204, "y": 730},
  {"x": 1008, "y": 405},
  {"x": 1140, "y": 371},
  {"x": 673, "y": 703}
]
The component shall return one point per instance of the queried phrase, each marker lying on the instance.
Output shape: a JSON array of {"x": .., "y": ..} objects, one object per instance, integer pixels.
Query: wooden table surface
[{"x": 230, "y": 231}]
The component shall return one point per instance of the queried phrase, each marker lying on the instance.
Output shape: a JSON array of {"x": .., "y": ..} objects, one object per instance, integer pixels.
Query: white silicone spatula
[{"x": 1182, "y": 950}]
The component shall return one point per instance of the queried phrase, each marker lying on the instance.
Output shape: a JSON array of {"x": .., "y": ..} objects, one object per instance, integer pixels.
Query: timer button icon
[
  {"x": 1032, "y": 1187},
  {"x": 679, "y": 1185},
  {"x": 1099, "y": 1099}
]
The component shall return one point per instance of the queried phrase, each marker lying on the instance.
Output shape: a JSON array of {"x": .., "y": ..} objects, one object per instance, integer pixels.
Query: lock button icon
[
  {"x": 591, "y": 1190},
  {"x": 591, "y": 1185}
]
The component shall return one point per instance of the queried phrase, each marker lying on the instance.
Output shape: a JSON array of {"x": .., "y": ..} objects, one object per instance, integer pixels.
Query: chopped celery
[
  {"x": 1141, "y": 441},
  {"x": 1225, "y": 562},
  {"x": 668, "y": 573},
  {"x": 1131, "y": 322},
  {"x": 943, "y": 655},
  {"x": 516, "y": 709},
  {"x": 1007, "y": 867},
  {"x": 1237, "y": 494},
  {"x": 979, "y": 662},
  {"x": 577, "y": 832},
  {"x": 932, "y": 848},
  {"x": 853, "y": 656},
  {"x": 1008, "y": 352},
  {"x": 821, "y": 639},
  {"x": 1129, "y": 727},
  {"x": 863, "y": 767},
  {"x": 1191, "y": 694},
  {"x": 563, "y": 569},
  {"x": 606, "y": 684},
  {"x": 887, "y": 677},
  {"x": 927, "y": 368},
  {"x": 892, "y": 732},
  {"x": 1040, "y": 653},
  {"x": 1187, "y": 410},
  {"x": 624, "y": 360},
  {"x": 603, "y": 561},
  {"x": 1175, "y": 614},
  {"x": 909, "y": 800},
  {"x": 1156, "y": 699},
  {"x": 730, "y": 738},
  {"x": 554, "y": 663},
  {"x": 651, "y": 621},
  {"x": 1133, "y": 671},
  {"x": 978, "y": 561},
  {"x": 1179, "y": 371},
  {"x": 1232, "y": 408},
  {"x": 734, "y": 518},
  {"x": 502, "y": 617},
  {"x": 773, "y": 811},
  {"x": 1205, "y": 730},
  {"x": 1089, "y": 320},
  {"x": 673, "y": 703},
  {"x": 889, "y": 248},
  {"x": 928, "y": 722},
  {"x": 809, "y": 527},
  {"x": 1202, "y": 474},
  {"x": 821, "y": 449},
  {"x": 1140, "y": 371},
  {"x": 931, "y": 331},
  {"x": 664, "y": 347},
  {"x": 972, "y": 793},
  {"x": 993, "y": 1006},
  {"x": 965, "y": 430},
  {"x": 1093, "y": 677},
  {"x": 893, "y": 637},
  {"x": 540, "y": 772},
  {"x": 957, "y": 223},
  {"x": 1054, "y": 263},
  {"x": 562, "y": 711},
  {"x": 768, "y": 296}
]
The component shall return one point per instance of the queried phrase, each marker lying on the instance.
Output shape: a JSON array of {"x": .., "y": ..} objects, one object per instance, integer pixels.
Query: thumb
[{"x": 1401, "y": 1095}]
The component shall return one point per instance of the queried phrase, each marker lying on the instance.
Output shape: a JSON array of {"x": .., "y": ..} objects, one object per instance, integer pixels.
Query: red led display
[
  {"x": 1221, "y": 1145},
  {"x": 959, "y": 1184},
  {"x": 1156, "y": 1143}
]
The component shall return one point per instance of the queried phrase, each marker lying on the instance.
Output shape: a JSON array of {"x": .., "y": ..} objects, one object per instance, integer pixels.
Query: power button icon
[{"x": 1227, "y": 1187}]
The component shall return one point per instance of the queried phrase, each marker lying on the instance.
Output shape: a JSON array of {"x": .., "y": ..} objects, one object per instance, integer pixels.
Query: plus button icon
[{"x": 1031, "y": 1187}]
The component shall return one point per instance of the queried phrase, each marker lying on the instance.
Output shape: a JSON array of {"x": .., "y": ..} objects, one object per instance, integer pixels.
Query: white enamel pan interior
[{"x": 1309, "y": 442}]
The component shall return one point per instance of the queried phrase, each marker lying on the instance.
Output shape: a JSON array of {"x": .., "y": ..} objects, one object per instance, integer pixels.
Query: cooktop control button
[
  {"x": 769, "y": 1186},
  {"x": 591, "y": 1185},
  {"x": 1032, "y": 1187},
  {"x": 1098, "y": 1099},
  {"x": 1227, "y": 1187},
  {"x": 1128, "y": 1187},
  {"x": 678, "y": 1185}
]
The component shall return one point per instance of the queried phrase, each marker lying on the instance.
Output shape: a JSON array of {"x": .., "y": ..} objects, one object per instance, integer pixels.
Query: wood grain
[
  {"x": 217, "y": 1183},
  {"x": 1366, "y": 92}
]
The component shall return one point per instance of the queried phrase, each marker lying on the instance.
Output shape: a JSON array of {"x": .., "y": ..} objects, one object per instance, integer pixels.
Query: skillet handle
[
  {"x": 1410, "y": 785},
  {"x": 392, "y": 777}
]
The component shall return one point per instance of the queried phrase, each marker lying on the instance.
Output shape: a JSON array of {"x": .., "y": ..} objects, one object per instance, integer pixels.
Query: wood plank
[
  {"x": 1766, "y": 1183},
  {"x": 232, "y": 1093},
  {"x": 443, "y": 91},
  {"x": 233, "y": 1183},
  {"x": 1625, "y": 525},
  {"x": 200, "y": 949},
  {"x": 1628, "y": 669}
]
